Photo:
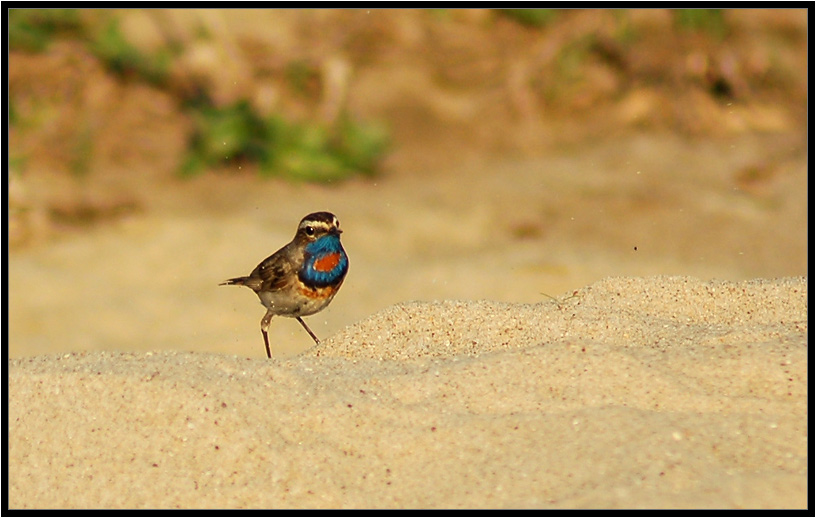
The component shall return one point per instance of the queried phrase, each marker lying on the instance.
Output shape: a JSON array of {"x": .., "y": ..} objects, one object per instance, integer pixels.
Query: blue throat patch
[{"x": 323, "y": 247}]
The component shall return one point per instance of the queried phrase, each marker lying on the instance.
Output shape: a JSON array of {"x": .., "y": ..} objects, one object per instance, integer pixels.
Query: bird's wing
[{"x": 272, "y": 274}]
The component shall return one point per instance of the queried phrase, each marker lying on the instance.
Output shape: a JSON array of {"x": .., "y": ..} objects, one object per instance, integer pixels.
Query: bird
[{"x": 303, "y": 276}]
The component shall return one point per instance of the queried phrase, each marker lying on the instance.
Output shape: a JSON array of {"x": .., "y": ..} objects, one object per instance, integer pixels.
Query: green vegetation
[
  {"x": 122, "y": 58},
  {"x": 222, "y": 135},
  {"x": 81, "y": 151},
  {"x": 530, "y": 17},
  {"x": 32, "y": 30},
  {"x": 710, "y": 21},
  {"x": 624, "y": 32},
  {"x": 16, "y": 163},
  {"x": 303, "y": 78},
  {"x": 303, "y": 151}
]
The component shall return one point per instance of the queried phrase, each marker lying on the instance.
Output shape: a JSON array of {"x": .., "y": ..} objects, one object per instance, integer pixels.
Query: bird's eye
[{"x": 309, "y": 231}]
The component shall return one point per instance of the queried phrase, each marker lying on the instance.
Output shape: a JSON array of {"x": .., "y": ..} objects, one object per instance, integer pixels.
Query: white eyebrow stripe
[{"x": 317, "y": 224}]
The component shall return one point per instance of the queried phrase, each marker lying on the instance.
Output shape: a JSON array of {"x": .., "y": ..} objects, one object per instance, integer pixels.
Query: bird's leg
[
  {"x": 317, "y": 340},
  {"x": 264, "y": 326}
]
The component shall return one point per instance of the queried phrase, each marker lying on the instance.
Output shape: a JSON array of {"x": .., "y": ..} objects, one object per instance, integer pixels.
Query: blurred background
[{"x": 512, "y": 155}]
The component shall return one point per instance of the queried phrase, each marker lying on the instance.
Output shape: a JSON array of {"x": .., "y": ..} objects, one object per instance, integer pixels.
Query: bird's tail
[{"x": 238, "y": 281}]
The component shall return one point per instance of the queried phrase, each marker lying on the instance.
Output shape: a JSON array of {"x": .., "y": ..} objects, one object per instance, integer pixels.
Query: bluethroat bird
[{"x": 301, "y": 278}]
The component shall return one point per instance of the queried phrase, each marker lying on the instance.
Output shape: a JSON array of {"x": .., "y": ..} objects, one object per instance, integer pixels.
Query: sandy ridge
[{"x": 656, "y": 392}]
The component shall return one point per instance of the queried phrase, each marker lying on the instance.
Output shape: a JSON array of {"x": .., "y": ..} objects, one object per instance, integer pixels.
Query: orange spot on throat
[{"x": 327, "y": 263}]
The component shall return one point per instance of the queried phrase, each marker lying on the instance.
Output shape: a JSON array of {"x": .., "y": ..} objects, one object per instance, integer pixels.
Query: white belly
[{"x": 297, "y": 304}]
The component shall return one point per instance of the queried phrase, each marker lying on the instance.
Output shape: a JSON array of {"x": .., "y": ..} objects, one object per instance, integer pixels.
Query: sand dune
[{"x": 632, "y": 392}]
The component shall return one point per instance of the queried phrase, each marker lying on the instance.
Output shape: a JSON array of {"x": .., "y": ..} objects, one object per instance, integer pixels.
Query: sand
[{"x": 632, "y": 392}]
